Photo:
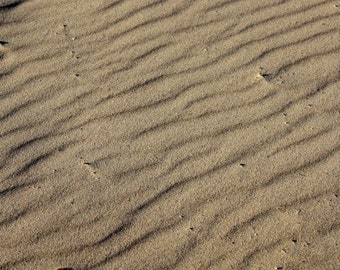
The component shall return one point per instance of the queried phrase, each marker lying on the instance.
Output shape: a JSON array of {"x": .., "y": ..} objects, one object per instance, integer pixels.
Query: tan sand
[{"x": 169, "y": 134}]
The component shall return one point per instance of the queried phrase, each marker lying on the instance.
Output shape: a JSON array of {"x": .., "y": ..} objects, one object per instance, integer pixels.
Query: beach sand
[{"x": 169, "y": 134}]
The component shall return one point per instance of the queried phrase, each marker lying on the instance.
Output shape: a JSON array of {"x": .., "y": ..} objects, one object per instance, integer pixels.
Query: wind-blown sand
[{"x": 169, "y": 134}]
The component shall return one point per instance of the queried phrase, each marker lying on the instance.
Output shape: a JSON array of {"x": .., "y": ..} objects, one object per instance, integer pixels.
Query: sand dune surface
[{"x": 169, "y": 134}]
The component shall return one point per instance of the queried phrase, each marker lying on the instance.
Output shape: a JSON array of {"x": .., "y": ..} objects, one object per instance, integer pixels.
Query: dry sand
[{"x": 169, "y": 134}]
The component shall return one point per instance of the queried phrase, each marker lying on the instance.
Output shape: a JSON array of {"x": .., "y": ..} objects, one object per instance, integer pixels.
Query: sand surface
[{"x": 169, "y": 134}]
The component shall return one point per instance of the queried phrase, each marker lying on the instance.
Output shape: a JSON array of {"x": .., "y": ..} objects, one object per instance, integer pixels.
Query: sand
[{"x": 169, "y": 134}]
